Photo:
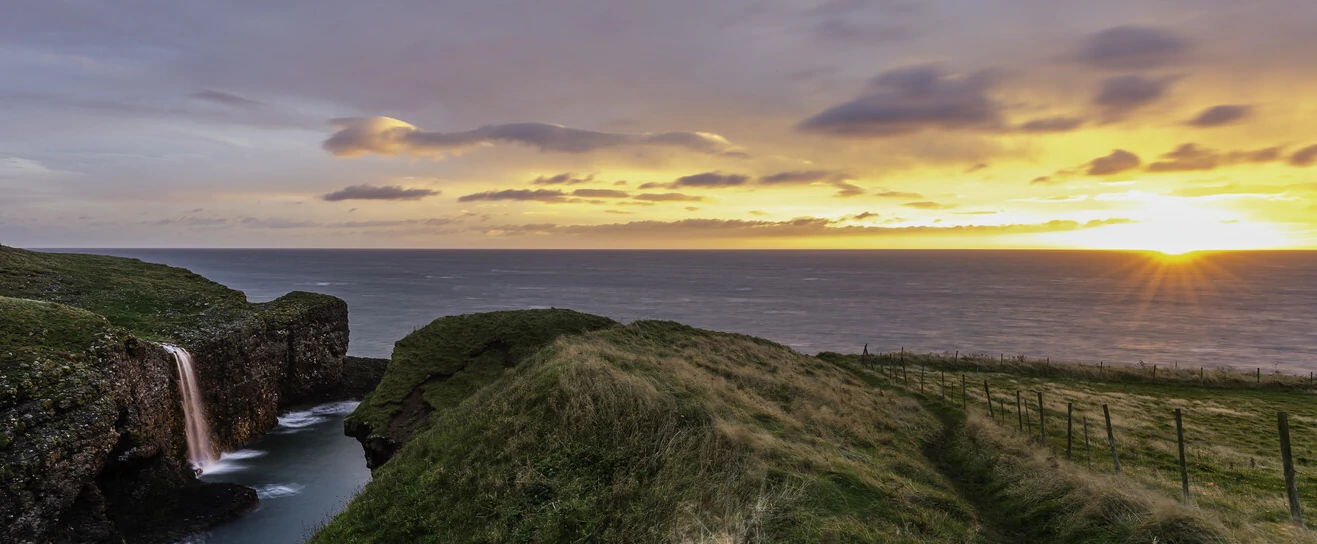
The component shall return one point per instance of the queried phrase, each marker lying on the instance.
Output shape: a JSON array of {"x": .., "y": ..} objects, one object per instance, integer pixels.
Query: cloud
[
  {"x": 1121, "y": 95},
  {"x": 1216, "y": 116},
  {"x": 669, "y": 197},
  {"x": 535, "y": 195},
  {"x": 228, "y": 99},
  {"x": 706, "y": 180},
  {"x": 710, "y": 180},
  {"x": 388, "y": 136},
  {"x": 277, "y": 223},
  {"x": 1191, "y": 157},
  {"x": 1116, "y": 162},
  {"x": 1304, "y": 157},
  {"x": 792, "y": 228},
  {"x": 928, "y": 205},
  {"x": 976, "y": 168},
  {"x": 909, "y": 100},
  {"x": 600, "y": 193},
  {"x": 1051, "y": 124},
  {"x": 562, "y": 179},
  {"x": 1132, "y": 47},
  {"x": 803, "y": 177},
  {"x": 813, "y": 177},
  {"x": 897, "y": 194},
  {"x": 378, "y": 192}
]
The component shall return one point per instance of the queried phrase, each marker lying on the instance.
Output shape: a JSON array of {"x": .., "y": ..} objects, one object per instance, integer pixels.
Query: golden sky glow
[{"x": 681, "y": 124}]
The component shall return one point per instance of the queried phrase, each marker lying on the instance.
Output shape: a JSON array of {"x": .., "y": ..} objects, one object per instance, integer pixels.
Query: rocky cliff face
[{"x": 92, "y": 445}]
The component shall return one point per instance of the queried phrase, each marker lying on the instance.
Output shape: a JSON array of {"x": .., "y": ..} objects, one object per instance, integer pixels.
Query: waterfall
[{"x": 197, "y": 430}]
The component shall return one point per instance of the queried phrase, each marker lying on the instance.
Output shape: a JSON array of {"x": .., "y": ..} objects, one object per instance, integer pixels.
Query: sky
[{"x": 1173, "y": 125}]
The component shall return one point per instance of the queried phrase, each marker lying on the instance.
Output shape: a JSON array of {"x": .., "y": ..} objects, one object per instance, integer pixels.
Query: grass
[
  {"x": 155, "y": 302},
  {"x": 1232, "y": 443},
  {"x": 50, "y": 366},
  {"x": 439, "y": 365},
  {"x": 657, "y": 432}
]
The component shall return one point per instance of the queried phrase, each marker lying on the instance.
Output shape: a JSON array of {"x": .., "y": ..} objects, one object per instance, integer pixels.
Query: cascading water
[{"x": 196, "y": 429}]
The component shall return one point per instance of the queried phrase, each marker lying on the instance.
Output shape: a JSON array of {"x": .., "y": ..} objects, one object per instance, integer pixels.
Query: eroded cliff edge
[{"x": 92, "y": 445}]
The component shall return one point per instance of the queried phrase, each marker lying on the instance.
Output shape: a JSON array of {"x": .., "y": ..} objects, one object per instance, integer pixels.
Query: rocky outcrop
[{"x": 92, "y": 444}]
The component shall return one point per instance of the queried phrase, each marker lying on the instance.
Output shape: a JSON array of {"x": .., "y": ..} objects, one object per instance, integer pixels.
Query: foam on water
[
  {"x": 292, "y": 422},
  {"x": 275, "y": 491},
  {"x": 231, "y": 461}
]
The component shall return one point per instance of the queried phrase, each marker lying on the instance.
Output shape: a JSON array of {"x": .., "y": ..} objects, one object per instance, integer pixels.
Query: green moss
[
  {"x": 446, "y": 361},
  {"x": 50, "y": 357}
]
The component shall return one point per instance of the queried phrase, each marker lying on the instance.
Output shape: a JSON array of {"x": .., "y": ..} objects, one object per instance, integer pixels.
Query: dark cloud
[
  {"x": 1052, "y": 124},
  {"x": 669, "y": 197},
  {"x": 909, "y": 100},
  {"x": 1121, "y": 95},
  {"x": 706, "y": 180},
  {"x": 1131, "y": 47},
  {"x": 188, "y": 221},
  {"x": 711, "y": 180},
  {"x": 600, "y": 193},
  {"x": 388, "y": 136},
  {"x": 1116, "y": 162},
  {"x": 803, "y": 177},
  {"x": 928, "y": 205},
  {"x": 1191, "y": 157},
  {"x": 378, "y": 192},
  {"x": 897, "y": 194},
  {"x": 562, "y": 179},
  {"x": 536, "y": 195},
  {"x": 228, "y": 99},
  {"x": 811, "y": 177},
  {"x": 1041, "y": 180},
  {"x": 1216, "y": 116},
  {"x": 1304, "y": 157},
  {"x": 976, "y": 168}
]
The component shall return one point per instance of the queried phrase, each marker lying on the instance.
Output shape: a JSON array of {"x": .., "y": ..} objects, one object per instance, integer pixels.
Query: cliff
[{"x": 93, "y": 443}]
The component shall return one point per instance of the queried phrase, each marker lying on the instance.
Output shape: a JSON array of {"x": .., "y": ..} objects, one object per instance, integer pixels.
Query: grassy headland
[
  {"x": 155, "y": 302},
  {"x": 658, "y": 432}
]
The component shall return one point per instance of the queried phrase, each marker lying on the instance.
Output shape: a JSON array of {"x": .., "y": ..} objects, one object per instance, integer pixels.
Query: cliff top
[
  {"x": 439, "y": 365},
  {"x": 154, "y": 301}
]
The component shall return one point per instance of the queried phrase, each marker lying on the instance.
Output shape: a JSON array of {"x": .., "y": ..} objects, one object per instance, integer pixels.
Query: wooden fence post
[
  {"x": 1042, "y": 421},
  {"x": 944, "y": 386},
  {"x": 1111, "y": 438},
  {"x": 1291, "y": 484},
  {"x": 1001, "y": 407},
  {"x": 1259, "y": 374},
  {"x": 987, "y": 394},
  {"x": 864, "y": 356},
  {"x": 1069, "y": 428},
  {"x": 1018, "y": 411},
  {"x": 1184, "y": 471}
]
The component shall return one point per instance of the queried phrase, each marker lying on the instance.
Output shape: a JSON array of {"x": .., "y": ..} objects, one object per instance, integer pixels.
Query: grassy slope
[
  {"x": 154, "y": 301},
  {"x": 657, "y": 432},
  {"x": 1232, "y": 446},
  {"x": 452, "y": 357}
]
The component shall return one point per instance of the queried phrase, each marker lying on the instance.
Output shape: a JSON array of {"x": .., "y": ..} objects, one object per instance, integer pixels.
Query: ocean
[
  {"x": 1240, "y": 309},
  {"x": 1244, "y": 310}
]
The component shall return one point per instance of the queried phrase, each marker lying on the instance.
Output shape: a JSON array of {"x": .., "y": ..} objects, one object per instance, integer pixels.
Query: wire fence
[{"x": 1062, "y": 426}]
